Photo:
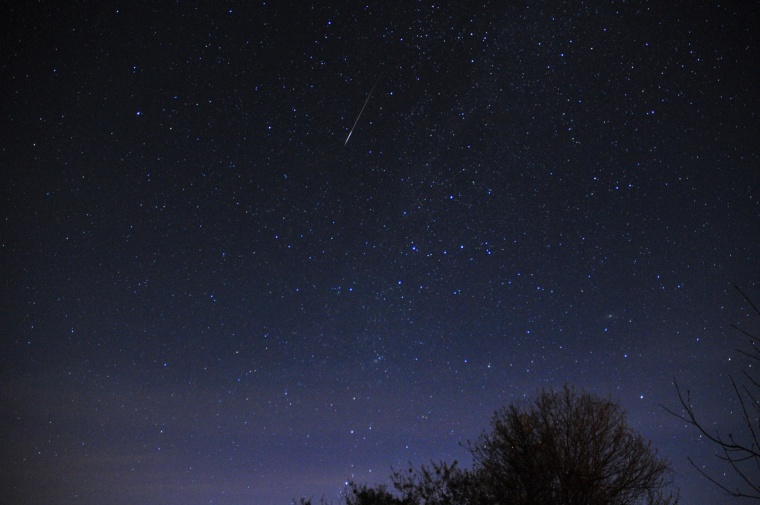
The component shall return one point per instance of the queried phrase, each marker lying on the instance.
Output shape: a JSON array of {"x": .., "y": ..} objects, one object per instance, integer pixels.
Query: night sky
[{"x": 253, "y": 250}]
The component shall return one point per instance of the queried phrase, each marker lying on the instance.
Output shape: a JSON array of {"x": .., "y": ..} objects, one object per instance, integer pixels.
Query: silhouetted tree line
[{"x": 563, "y": 448}]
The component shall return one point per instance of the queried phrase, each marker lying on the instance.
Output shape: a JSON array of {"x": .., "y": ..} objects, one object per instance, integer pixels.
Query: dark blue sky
[{"x": 211, "y": 297}]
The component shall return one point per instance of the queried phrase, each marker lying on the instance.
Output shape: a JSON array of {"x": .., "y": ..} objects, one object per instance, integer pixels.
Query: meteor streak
[{"x": 361, "y": 111}]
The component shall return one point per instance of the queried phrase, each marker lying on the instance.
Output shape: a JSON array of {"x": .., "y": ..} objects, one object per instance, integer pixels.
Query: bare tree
[
  {"x": 437, "y": 484},
  {"x": 568, "y": 448},
  {"x": 364, "y": 495},
  {"x": 740, "y": 452},
  {"x": 563, "y": 448}
]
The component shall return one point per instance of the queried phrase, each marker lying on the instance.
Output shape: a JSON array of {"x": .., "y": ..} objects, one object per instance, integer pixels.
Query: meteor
[{"x": 361, "y": 111}]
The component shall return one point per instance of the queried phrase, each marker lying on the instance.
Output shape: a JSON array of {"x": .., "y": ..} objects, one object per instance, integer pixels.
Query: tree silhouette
[
  {"x": 438, "y": 484},
  {"x": 563, "y": 448},
  {"x": 567, "y": 448},
  {"x": 740, "y": 452}
]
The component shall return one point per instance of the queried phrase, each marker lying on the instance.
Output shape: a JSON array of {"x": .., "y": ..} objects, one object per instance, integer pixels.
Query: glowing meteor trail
[{"x": 361, "y": 111}]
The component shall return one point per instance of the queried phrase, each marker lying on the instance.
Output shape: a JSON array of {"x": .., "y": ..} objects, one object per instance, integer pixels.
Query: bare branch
[
  {"x": 748, "y": 300},
  {"x": 742, "y": 452}
]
